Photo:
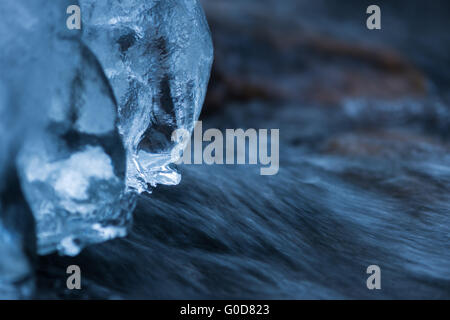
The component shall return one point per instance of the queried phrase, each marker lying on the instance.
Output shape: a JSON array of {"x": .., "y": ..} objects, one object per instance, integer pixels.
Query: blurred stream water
[{"x": 364, "y": 174}]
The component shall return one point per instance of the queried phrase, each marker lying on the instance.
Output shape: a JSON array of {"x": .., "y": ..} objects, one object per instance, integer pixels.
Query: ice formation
[
  {"x": 17, "y": 235},
  {"x": 72, "y": 167},
  {"x": 157, "y": 56},
  {"x": 87, "y": 115},
  {"x": 17, "y": 241}
]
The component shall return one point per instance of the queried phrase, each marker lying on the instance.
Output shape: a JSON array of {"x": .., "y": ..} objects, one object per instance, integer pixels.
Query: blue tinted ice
[
  {"x": 157, "y": 55},
  {"x": 87, "y": 115},
  {"x": 71, "y": 165}
]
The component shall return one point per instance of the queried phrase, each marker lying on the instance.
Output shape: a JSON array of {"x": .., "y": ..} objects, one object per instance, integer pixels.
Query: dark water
[
  {"x": 309, "y": 232},
  {"x": 364, "y": 167}
]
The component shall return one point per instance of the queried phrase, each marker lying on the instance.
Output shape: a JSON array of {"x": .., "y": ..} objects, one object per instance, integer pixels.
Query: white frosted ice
[{"x": 70, "y": 177}]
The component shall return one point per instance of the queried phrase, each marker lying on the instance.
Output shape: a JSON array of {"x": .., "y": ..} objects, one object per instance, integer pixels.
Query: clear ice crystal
[{"x": 157, "y": 55}]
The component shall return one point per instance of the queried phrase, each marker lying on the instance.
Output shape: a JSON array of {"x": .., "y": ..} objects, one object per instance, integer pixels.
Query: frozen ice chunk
[
  {"x": 73, "y": 173},
  {"x": 157, "y": 55},
  {"x": 17, "y": 233},
  {"x": 17, "y": 241},
  {"x": 71, "y": 165},
  {"x": 60, "y": 110}
]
